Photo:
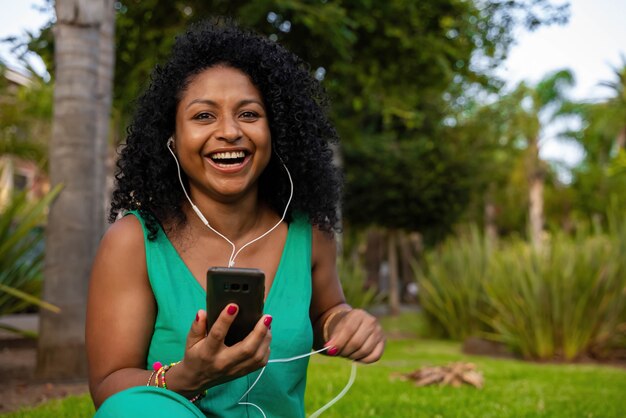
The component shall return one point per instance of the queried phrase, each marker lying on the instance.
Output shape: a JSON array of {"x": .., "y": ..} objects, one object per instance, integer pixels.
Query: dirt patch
[
  {"x": 20, "y": 387},
  {"x": 481, "y": 347}
]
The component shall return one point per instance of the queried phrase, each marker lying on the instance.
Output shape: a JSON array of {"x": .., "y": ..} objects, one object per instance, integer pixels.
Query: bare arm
[
  {"x": 352, "y": 333},
  {"x": 120, "y": 312}
]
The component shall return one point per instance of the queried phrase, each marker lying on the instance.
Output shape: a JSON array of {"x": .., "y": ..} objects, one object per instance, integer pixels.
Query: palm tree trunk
[
  {"x": 536, "y": 210},
  {"x": 106, "y": 68},
  {"x": 394, "y": 281},
  {"x": 374, "y": 256},
  {"x": 535, "y": 196},
  {"x": 491, "y": 229},
  {"x": 75, "y": 161}
]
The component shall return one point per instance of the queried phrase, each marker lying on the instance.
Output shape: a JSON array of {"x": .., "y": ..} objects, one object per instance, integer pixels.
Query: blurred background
[{"x": 483, "y": 145}]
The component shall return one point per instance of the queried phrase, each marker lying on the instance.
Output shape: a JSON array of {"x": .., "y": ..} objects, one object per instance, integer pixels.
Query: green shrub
[
  {"x": 450, "y": 283},
  {"x": 21, "y": 253},
  {"x": 563, "y": 302},
  {"x": 556, "y": 303}
]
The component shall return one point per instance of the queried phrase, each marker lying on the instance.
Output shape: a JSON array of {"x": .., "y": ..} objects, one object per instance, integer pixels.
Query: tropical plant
[
  {"x": 616, "y": 106},
  {"x": 25, "y": 114},
  {"x": 451, "y": 285},
  {"x": 564, "y": 301},
  {"x": 558, "y": 303},
  {"x": 600, "y": 180},
  {"x": 533, "y": 106},
  {"x": 21, "y": 254}
]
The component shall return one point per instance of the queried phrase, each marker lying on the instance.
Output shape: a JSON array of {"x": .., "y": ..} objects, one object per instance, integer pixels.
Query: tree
[
  {"x": 25, "y": 113},
  {"x": 616, "y": 106},
  {"x": 75, "y": 161},
  {"x": 387, "y": 68},
  {"x": 600, "y": 180},
  {"x": 387, "y": 81},
  {"x": 534, "y": 107}
]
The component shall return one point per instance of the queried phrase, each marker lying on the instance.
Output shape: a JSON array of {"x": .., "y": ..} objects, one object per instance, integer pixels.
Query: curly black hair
[{"x": 146, "y": 179}]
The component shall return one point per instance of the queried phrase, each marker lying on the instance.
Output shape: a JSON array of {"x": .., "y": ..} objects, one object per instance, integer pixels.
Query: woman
[{"x": 230, "y": 135}]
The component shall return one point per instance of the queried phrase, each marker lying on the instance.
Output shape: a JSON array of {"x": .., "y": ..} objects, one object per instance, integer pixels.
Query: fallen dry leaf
[{"x": 453, "y": 374}]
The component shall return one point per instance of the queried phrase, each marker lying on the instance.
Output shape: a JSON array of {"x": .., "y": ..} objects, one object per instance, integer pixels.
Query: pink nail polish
[
  {"x": 231, "y": 310},
  {"x": 268, "y": 321},
  {"x": 333, "y": 351}
]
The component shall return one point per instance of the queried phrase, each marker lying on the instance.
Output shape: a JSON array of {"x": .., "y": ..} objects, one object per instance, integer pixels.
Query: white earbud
[{"x": 170, "y": 142}]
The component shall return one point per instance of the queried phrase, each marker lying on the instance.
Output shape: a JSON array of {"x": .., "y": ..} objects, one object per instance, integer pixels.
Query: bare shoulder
[
  {"x": 121, "y": 257},
  {"x": 125, "y": 234}
]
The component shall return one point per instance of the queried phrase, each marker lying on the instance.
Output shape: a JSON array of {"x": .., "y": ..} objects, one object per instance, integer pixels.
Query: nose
[{"x": 228, "y": 130}]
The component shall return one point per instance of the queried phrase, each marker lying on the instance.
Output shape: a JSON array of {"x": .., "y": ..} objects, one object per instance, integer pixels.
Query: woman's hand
[
  {"x": 355, "y": 334},
  {"x": 208, "y": 361}
]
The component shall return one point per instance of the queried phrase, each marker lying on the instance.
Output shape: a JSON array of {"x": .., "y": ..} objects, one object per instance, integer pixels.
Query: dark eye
[
  {"x": 203, "y": 116},
  {"x": 249, "y": 115}
]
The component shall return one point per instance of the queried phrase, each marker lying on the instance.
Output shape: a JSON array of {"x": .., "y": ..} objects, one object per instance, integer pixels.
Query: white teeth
[{"x": 228, "y": 155}]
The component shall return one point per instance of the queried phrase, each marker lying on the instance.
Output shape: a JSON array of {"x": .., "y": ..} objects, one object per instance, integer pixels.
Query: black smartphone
[{"x": 243, "y": 286}]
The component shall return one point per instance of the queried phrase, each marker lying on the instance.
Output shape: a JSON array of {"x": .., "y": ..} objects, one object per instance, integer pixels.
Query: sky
[{"x": 592, "y": 44}]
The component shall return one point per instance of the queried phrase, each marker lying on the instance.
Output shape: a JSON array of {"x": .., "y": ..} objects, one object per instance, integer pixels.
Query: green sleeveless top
[{"x": 280, "y": 391}]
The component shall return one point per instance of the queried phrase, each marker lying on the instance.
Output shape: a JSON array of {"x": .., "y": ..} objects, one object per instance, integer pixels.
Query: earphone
[
  {"x": 235, "y": 252},
  {"x": 231, "y": 263}
]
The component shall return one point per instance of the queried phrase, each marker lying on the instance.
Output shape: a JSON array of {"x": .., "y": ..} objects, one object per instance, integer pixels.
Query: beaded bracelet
[
  {"x": 198, "y": 396},
  {"x": 160, "y": 374},
  {"x": 161, "y": 370}
]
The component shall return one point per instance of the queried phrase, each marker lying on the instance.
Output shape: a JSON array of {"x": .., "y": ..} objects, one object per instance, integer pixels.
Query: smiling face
[{"x": 222, "y": 136}]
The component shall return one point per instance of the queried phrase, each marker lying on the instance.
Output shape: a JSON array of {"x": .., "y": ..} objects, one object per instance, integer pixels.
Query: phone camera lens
[
  {"x": 245, "y": 287},
  {"x": 235, "y": 287}
]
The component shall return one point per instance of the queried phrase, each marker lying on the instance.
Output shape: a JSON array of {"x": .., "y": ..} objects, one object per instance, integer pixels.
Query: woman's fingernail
[
  {"x": 267, "y": 321},
  {"x": 333, "y": 351},
  {"x": 197, "y": 317},
  {"x": 231, "y": 310}
]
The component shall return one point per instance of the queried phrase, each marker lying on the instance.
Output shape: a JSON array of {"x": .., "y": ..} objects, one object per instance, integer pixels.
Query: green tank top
[{"x": 280, "y": 391}]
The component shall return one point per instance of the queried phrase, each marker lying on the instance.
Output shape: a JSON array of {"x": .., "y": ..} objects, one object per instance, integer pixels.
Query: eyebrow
[{"x": 210, "y": 102}]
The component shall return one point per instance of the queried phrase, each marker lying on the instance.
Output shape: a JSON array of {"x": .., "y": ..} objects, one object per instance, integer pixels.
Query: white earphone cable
[
  {"x": 235, "y": 252},
  {"x": 340, "y": 395},
  {"x": 285, "y": 360},
  {"x": 231, "y": 263}
]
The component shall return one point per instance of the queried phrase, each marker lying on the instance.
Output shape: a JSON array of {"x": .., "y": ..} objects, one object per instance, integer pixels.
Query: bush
[
  {"x": 558, "y": 303},
  {"x": 21, "y": 253},
  {"x": 450, "y": 283},
  {"x": 563, "y": 302}
]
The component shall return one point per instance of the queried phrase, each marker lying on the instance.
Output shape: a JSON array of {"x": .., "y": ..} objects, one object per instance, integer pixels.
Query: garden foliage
[
  {"x": 565, "y": 301},
  {"x": 21, "y": 253}
]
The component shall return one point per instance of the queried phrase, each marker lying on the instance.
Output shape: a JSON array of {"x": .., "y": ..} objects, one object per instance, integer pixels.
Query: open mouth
[{"x": 228, "y": 158}]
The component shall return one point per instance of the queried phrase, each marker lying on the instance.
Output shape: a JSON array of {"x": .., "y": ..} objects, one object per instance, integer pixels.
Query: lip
[{"x": 232, "y": 168}]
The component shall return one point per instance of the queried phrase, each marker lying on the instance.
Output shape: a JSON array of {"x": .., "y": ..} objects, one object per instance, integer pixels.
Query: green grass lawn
[{"x": 512, "y": 388}]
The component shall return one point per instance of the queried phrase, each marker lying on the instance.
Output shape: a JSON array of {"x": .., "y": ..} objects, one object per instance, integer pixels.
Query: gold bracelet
[
  {"x": 330, "y": 318},
  {"x": 150, "y": 378}
]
